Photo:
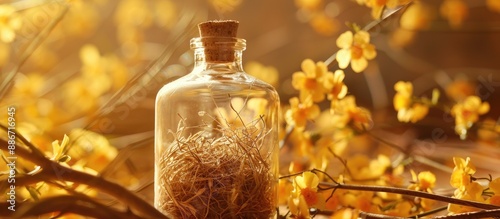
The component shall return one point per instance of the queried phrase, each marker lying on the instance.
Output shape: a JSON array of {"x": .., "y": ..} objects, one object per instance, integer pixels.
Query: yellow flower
[
  {"x": 361, "y": 200},
  {"x": 401, "y": 209},
  {"x": 92, "y": 149},
  {"x": 455, "y": 11},
  {"x": 462, "y": 172},
  {"x": 467, "y": 112},
  {"x": 306, "y": 186},
  {"x": 346, "y": 112},
  {"x": 299, "y": 113},
  {"x": 304, "y": 195},
  {"x": 298, "y": 207},
  {"x": 415, "y": 113},
  {"x": 310, "y": 81},
  {"x": 268, "y": 74},
  {"x": 408, "y": 111},
  {"x": 94, "y": 69},
  {"x": 9, "y": 23},
  {"x": 337, "y": 88},
  {"x": 99, "y": 74},
  {"x": 404, "y": 92},
  {"x": 401, "y": 38},
  {"x": 424, "y": 181},
  {"x": 333, "y": 201},
  {"x": 302, "y": 147},
  {"x": 362, "y": 168},
  {"x": 495, "y": 186},
  {"x": 460, "y": 89},
  {"x": 356, "y": 49},
  {"x": 345, "y": 213},
  {"x": 472, "y": 192},
  {"x": 417, "y": 16},
  {"x": 284, "y": 189},
  {"x": 493, "y": 5},
  {"x": 59, "y": 150},
  {"x": 323, "y": 24}
]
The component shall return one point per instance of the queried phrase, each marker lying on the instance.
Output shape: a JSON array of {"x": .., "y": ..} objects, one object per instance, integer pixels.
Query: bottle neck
[
  {"x": 218, "y": 54},
  {"x": 230, "y": 61}
]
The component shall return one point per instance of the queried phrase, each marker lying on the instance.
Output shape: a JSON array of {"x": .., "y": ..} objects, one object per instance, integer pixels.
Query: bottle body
[{"x": 216, "y": 144}]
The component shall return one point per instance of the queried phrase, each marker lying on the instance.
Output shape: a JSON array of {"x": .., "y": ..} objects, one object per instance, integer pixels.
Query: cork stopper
[
  {"x": 218, "y": 37},
  {"x": 218, "y": 28}
]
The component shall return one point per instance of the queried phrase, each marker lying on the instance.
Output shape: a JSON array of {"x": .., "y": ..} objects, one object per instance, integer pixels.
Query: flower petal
[
  {"x": 345, "y": 40},
  {"x": 309, "y": 68},
  {"x": 321, "y": 69},
  {"x": 310, "y": 179},
  {"x": 361, "y": 37},
  {"x": 343, "y": 58},
  {"x": 298, "y": 79},
  {"x": 484, "y": 108},
  {"x": 369, "y": 51},
  {"x": 495, "y": 186},
  {"x": 338, "y": 76},
  {"x": 359, "y": 65},
  {"x": 313, "y": 112},
  {"x": 377, "y": 11}
]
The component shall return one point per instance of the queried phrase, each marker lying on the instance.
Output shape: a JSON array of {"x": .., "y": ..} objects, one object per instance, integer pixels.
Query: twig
[
  {"x": 288, "y": 132},
  {"x": 25, "y": 141},
  {"x": 433, "y": 211},
  {"x": 495, "y": 213},
  {"x": 367, "y": 215},
  {"x": 54, "y": 171},
  {"x": 327, "y": 186},
  {"x": 64, "y": 204},
  {"x": 417, "y": 158},
  {"x": 388, "y": 143}
]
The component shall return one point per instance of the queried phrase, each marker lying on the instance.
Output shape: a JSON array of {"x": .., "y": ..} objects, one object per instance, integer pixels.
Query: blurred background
[{"x": 98, "y": 64}]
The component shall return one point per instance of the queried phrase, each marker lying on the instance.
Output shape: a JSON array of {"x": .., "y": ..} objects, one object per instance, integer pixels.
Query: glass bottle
[{"x": 216, "y": 135}]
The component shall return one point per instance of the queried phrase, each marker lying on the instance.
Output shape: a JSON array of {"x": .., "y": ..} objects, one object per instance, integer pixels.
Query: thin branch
[
  {"x": 431, "y": 212},
  {"x": 288, "y": 132},
  {"x": 388, "y": 143},
  {"x": 495, "y": 213},
  {"x": 327, "y": 186},
  {"x": 367, "y": 215},
  {"x": 54, "y": 171},
  {"x": 417, "y": 158},
  {"x": 64, "y": 204},
  {"x": 25, "y": 141}
]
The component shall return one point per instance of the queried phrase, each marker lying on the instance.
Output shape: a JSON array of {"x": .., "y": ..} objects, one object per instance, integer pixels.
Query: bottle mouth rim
[{"x": 218, "y": 42}]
